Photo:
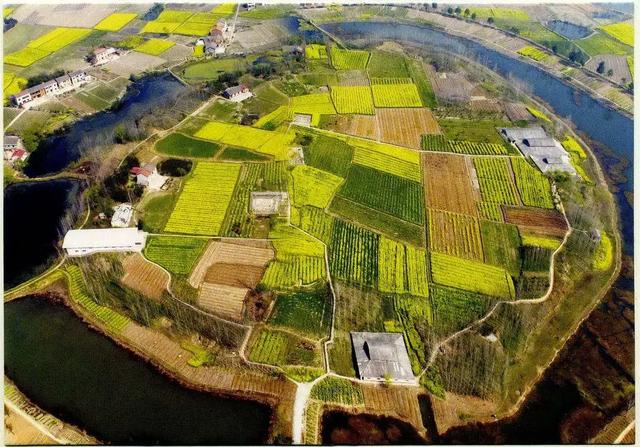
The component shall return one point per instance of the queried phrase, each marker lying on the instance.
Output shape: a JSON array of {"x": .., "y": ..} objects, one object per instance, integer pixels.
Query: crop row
[
  {"x": 338, "y": 391},
  {"x": 455, "y": 234},
  {"x": 471, "y": 275},
  {"x": 385, "y": 192},
  {"x": 270, "y": 347},
  {"x": 490, "y": 211},
  {"x": 534, "y": 187},
  {"x": 314, "y": 221},
  {"x": 237, "y": 221},
  {"x": 354, "y": 254},
  {"x": 413, "y": 313},
  {"x": 292, "y": 271},
  {"x": 204, "y": 199},
  {"x": 439, "y": 143},
  {"x": 396, "y": 95},
  {"x": 387, "y": 163},
  {"x": 313, "y": 187},
  {"x": 113, "y": 320},
  {"x": 402, "y": 269},
  {"x": 454, "y": 309},
  {"x": 532, "y": 52},
  {"x": 329, "y": 154},
  {"x": 348, "y": 59},
  {"x": 494, "y": 176},
  {"x": 315, "y": 51}
]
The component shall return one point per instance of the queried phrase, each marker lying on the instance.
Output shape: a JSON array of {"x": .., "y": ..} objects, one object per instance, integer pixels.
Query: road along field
[
  {"x": 447, "y": 183},
  {"x": 537, "y": 221},
  {"x": 204, "y": 199},
  {"x": 406, "y": 126},
  {"x": 144, "y": 277}
]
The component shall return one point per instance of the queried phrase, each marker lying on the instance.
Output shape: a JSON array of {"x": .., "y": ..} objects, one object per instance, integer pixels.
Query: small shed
[
  {"x": 269, "y": 203},
  {"x": 122, "y": 215}
]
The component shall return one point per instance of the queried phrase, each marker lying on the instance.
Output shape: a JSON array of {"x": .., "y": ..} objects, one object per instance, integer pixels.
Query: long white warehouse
[{"x": 86, "y": 242}]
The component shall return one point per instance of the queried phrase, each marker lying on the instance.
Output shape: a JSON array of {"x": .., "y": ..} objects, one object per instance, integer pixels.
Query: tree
[
  {"x": 610, "y": 72},
  {"x": 473, "y": 16},
  {"x": 490, "y": 20},
  {"x": 458, "y": 10},
  {"x": 434, "y": 5},
  {"x": 601, "y": 67},
  {"x": 467, "y": 12},
  {"x": 449, "y": 10}
]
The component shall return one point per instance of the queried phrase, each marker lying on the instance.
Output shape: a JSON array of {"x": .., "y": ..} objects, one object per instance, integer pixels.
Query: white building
[
  {"x": 238, "y": 93},
  {"x": 547, "y": 153},
  {"x": 87, "y": 242},
  {"x": 121, "y": 215},
  {"x": 42, "y": 92},
  {"x": 148, "y": 176},
  {"x": 269, "y": 202},
  {"x": 103, "y": 55}
]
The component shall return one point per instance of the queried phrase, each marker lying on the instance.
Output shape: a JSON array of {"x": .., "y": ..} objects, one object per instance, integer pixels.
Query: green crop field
[
  {"x": 348, "y": 59},
  {"x": 425, "y": 90},
  {"x": 184, "y": 146},
  {"x": 353, "y": 255},
  {"x": 45, "y": 45},
  {"x": 353, "y": 99},
  {"x": 314, "y": 221},
  {"x": 306, "y": 312},
  {"x": 536, "y": 259},
  {"x": 477, "y": 131},
  {"x": 534, "y": 187},
  {"x": 471, "y": 275},
  {"x": 501, "y": 246},
  {"x": 604, "y": 255},
  {"x": 294, "y": 271},
  {"x": 402, "y": 269},
  {"x": 276, "y": 144},
  {"x": 156, "y": 212},
  {"x": 533, "y": 240},
  {"x": 395, "y": 92},
  {"x": 490, "y": 211},
  {"x": 494, "y": 176},
  {"x": 532, "y": 52},
  {"x": 384, "y": 64},
  {"x": 439, "y": 143},
  {"x": 601, "y": 43},
  {"x": 313, "y": 187},
  {"x": 501, "y": 13},
  {"x": 154, "y": 47},
  {"x": 115, "y": 22},
  {"x": 338, "y": 391},
  {"x": 176, "y": 254},
  {"x": 204, "y": 199},
  {"x": 12, "y": 84},
  {"x": 239, "y": 154},
  {"x": 280, "y": 348},
  {"x": 538, "y": 114},
  {"x": 315, "y": 51},
  {"x": 290, "y": 241},
  {"x": 384, "y": 223},
  {"x": 384, "y": 192},
  {"x": 572, "y": 146},
  {"x": 212, "y": 68},
  {"x": 454, "y": 309},
  {"x": 329, "y": 154}
]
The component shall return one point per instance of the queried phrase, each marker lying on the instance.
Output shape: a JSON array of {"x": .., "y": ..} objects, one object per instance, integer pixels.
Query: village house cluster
[
  {"x": 61, "y": 84},
  {"x": 214, "y": 43}
]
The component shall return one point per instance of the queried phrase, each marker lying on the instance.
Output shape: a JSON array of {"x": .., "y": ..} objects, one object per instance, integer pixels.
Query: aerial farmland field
[{"x": 397, "y": 237}]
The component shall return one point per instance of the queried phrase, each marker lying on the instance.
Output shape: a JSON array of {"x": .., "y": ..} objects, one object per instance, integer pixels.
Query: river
[{"x": 84, "y": 378}]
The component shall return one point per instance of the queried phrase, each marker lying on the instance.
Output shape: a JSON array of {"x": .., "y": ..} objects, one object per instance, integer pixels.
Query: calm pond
[{"x": 84, "y": 378}]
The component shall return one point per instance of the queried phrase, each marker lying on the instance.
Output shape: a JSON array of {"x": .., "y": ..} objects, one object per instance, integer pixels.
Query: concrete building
[
  {"x": 238, "y": 93},
  {"x": 382, "y": 356},
  {"x": 148, "y": 176},
  {"x": 534, "y": 143},
  {"x": 103, "y": 55},
  {"x": 53, "y": 87},
  {"x": 87, "y": 242},
  {"x": 122, "y": 215},
  {"x": 269, "y": 203},
  {"x": 13, "y": 149},
  {"x": 11, "y": 142}
]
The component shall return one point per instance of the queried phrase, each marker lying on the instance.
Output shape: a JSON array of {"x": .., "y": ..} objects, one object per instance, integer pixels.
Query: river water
[{"x": 86, "y": 379}]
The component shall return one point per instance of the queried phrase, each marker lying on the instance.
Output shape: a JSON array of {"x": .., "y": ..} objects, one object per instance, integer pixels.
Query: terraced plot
[
  {"x": 405, "y": 127},
  {"x": 329, "y": 154},
  {"x": 534, "y": 187},
  {"x": 144, "y": 277},
  {"x": 395, "y": 92},
  {"x": 116, "y": 21},
  {"x": 402, "y": 269},
  {"x": 537, "y": 221},
  {"x": 495, "y": 178},
  {"x": 204, "y": 199},
  {"x": 176, "y": 254},
  {"x": 353, "y": 99},
  {"x": 313, "y": 221},
  {"x": 348, "y": 59},
  {"x": 353, "y": 254},
  {"x": 313, "y": 187},
  {"x": 45, "y": 45}
]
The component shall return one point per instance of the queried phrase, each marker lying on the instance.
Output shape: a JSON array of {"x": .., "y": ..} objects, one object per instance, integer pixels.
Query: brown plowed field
[
  {"x": 144, "y": 277},
  {"x": 447, "y": 184},
  {"x": 485, "y": 105},
  {"x": 236, "y": 275},
  {"x": 226, "y": 301},
  {"x": 365, "y": 126},
  {"x": 536, "y": 220},
  {"x": 405, "y": 127},
  {"x": 399, "y": 401},
  {"x": 517, "y": 112},
  {"x": 224, "y": 252},
  {"x": 455, "y": 234}
]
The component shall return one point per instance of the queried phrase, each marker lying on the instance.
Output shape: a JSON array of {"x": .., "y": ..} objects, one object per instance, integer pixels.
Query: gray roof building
[
  {"x": 547, "y": 154},
  {"x": 380, "y": 355}
]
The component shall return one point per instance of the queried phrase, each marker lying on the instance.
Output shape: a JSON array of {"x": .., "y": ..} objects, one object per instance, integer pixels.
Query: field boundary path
[{"x": 15, "y": 119}]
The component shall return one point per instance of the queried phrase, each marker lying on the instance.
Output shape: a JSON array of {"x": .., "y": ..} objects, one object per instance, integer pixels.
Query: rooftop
[
  {"x": 103, "y": 238},
  {"x": 380, "y": 355}
]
